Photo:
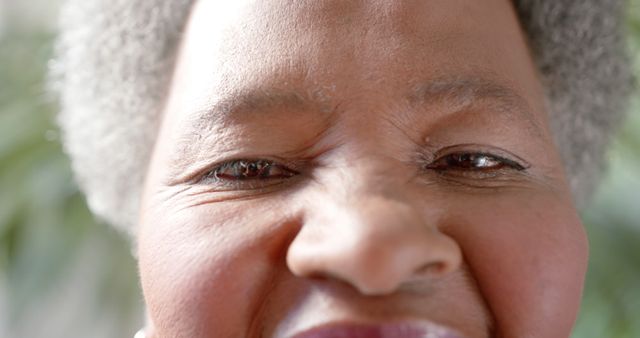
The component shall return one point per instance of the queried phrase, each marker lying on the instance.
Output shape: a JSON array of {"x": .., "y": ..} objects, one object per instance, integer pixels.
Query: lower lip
[{"x": 400, "y": 330}]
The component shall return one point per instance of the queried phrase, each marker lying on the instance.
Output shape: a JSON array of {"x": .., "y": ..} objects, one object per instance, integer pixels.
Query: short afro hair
[{"x": 114, "y": 60}]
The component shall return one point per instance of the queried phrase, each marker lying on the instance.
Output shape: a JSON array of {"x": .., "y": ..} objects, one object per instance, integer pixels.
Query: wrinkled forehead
[{"x": 249, "y": 42}]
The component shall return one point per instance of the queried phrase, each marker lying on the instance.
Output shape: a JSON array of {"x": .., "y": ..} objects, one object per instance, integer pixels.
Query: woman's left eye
[
  {"x": 245, "y": 170},
  {"x": 465, "y": 161}
]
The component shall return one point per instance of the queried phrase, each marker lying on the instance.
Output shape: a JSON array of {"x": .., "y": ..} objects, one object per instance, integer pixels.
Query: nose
[{"x": 375, "y": 244}]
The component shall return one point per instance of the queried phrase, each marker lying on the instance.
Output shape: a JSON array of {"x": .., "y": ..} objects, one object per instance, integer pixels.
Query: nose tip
[{"x": 376, "y": 248}]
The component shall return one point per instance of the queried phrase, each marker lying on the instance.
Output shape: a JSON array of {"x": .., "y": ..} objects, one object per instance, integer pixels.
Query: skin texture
[{"x": 365, "y": 111}]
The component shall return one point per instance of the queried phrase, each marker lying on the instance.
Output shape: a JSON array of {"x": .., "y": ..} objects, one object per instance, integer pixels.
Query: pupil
[
  {"x": 466, "y": 160},
  {"x": 251, "y": 169},
  {"x": 469, "y": 161}
]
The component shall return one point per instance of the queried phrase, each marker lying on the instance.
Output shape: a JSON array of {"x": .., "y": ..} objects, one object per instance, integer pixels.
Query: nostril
[
  {"x": 322, "y": 276},
  {"x": 431, "y": 269}
]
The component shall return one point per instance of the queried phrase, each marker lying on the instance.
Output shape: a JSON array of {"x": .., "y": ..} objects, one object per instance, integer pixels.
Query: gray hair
[{"x": 114, "y": 60}]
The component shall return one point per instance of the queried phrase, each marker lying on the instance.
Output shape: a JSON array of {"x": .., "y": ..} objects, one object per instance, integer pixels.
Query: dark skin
[{"x": 359, "y": 162}]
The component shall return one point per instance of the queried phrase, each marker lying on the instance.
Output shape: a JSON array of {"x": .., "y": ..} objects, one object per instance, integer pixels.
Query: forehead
[{"x": 347, "y": 46}]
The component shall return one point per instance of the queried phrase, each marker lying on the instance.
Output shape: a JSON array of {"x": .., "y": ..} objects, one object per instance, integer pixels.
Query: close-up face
[{"x": 358, "y": 169}]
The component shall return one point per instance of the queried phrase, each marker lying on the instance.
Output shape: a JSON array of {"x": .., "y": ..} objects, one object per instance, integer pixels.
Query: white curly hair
[{"x": 114, "y": 60}]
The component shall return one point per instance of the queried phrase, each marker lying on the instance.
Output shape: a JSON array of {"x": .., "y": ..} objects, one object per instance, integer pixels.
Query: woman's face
[{"x": 357, "y": 169}]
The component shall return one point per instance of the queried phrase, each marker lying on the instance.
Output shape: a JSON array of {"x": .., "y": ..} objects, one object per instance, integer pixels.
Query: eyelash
[{"x": 257, "y": 173}]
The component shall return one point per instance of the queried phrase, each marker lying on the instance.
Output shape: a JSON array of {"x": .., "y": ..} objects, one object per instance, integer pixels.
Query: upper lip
[{"x": 401, "y": 329}]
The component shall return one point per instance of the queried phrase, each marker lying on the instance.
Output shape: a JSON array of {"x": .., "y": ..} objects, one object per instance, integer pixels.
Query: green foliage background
[{"x": 62, "y": 274}]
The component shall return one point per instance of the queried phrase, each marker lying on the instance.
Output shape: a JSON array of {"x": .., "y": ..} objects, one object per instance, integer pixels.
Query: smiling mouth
[{"x": 390, "y": 330}]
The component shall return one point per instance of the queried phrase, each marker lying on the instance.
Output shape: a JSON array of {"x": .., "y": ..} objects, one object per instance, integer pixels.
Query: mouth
[{"x": 414, "y": 329}]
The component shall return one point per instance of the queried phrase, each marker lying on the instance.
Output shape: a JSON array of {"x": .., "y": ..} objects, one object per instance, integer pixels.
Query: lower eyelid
[{"x": 512, "y": 179}]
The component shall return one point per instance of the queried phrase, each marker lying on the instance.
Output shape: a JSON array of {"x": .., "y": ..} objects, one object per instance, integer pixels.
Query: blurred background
[{"x": 63, "y": 274}]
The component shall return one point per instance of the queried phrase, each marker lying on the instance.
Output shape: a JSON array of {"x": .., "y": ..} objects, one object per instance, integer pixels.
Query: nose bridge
[
  {"x": 377, "y": 213},
  {"x": 370, "y": 170},
  {"x": 371, "y": 238}
]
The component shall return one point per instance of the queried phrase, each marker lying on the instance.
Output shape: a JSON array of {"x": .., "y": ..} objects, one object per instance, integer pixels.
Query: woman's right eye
[{"x": 250, "y": 170}]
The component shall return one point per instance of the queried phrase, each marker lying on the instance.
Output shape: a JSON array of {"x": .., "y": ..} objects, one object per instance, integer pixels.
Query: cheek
[
  {"x": 530, "y": 264},
  {"x": 203, "y": 270}
]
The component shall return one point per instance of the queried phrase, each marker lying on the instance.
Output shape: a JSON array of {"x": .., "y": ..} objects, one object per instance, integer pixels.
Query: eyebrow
[
  {"x": 252, "y": 101},
  {"x": 457, "y": 93}
]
